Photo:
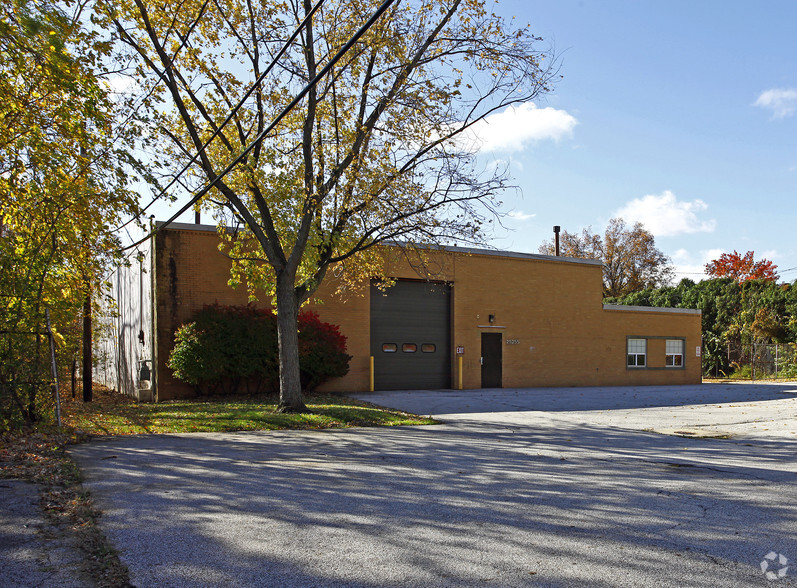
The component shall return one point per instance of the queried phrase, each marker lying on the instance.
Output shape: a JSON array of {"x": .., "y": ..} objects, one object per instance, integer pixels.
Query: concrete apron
[{"x": 739, "y": 411}]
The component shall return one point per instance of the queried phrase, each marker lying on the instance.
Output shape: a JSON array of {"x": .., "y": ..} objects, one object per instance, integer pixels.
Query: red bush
[{"x": 226, "y": 346}]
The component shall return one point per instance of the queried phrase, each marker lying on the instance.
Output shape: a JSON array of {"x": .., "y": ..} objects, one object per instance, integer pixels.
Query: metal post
[
  {"x": 459, "y": 372},
  {"x": 74, "y": 376},
  {"x": 371, "y": 374},
  {"x": 53, "y": 368},
  {"x": 752, "y": 361},
  {"x": 87, "y": 342}
]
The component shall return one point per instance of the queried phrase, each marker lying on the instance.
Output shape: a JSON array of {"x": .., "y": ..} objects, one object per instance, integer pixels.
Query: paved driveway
[
  {"x": 767, "y": 410},
  {"x": 561, "y": 488}
]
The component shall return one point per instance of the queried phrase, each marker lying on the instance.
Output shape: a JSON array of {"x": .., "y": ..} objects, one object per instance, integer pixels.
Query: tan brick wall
[
  {"x": 551, "y": 307},
  {"x": 352, "y": 313},
  {"x": 546, "y": 306},
  {"x": 190, "y": 272}
]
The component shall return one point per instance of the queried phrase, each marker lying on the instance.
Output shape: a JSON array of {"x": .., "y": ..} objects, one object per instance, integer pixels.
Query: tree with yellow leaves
[
  {"x": 64, "y": 169},
  {"x": 379, "y": 150},
  {"x": 631, "y": 260}
]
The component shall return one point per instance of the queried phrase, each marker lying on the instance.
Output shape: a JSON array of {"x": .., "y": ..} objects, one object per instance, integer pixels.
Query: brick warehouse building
[{"x": 487, "y": 319}]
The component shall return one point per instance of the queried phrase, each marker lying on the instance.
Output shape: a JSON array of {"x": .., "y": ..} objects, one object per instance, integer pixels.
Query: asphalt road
[
  {"x": 33, "y": 552},
  {"x": 560, "y": 487}
]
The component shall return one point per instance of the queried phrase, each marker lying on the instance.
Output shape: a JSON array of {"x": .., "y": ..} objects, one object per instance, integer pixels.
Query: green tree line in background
[
  {"x": 736, "y": 316},
  {"x": 746, "y": 312}
]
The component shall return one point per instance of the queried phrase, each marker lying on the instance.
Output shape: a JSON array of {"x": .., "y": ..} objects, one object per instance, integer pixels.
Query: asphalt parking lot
[{"x": 561, "y": 487}]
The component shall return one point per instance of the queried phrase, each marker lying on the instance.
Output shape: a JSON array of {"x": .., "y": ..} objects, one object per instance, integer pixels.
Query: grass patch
[{"x": 111, "y": 413}]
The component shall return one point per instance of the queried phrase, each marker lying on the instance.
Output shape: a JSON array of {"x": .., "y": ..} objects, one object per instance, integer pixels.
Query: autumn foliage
[
  {"x": 631, "y": 260},
  {"x": 66, "y": 167},
  {"x": 226, "y": 349},
  {"x": 742, "y": 268},
  {"x": 377, "y": 149}
]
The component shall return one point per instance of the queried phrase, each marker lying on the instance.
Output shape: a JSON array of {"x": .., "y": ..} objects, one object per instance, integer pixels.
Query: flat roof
[
  {"x": 451, "y": 248},
  {"x": 651, "y": 309}
]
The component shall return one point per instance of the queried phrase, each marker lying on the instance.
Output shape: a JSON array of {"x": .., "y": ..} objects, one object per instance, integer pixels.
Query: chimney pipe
[
  {"x": 196, "y": 217},
  {"x": 556, "y": 229}
]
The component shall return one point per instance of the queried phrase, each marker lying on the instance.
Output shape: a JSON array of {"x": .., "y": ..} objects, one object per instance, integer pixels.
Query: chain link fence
[
  {"x": 762, "y": 361},
  {"x": 28, "y": 378}
]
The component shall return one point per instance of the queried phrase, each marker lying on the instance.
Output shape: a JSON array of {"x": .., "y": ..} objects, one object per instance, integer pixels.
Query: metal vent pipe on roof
[{"x": 556, "y": 229}]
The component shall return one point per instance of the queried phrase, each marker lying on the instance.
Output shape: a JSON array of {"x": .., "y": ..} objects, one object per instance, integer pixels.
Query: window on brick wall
[
  {"x": 637, "y": 350},
  {"x": 675, "y": 353}
]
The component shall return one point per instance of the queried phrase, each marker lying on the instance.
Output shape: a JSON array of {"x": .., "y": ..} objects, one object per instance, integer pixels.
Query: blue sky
[
  {"x": 681, "y": 115},
  {"x": 678, "y": 114}
]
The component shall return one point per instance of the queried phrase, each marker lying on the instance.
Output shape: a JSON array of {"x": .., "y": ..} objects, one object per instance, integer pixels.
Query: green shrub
[
  {"x": 744, "y": 372},
  {"x": 226, "y": 347},
  {"x": 199, "y": 357},
  {"x": 788, "y": 371}
]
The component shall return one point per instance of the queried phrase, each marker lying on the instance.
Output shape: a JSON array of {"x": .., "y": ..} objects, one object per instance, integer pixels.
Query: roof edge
[
  {"x": 185, "y": 227},
  {"x": 622, "y": 307},
  {"x": 448, "y": 248}
]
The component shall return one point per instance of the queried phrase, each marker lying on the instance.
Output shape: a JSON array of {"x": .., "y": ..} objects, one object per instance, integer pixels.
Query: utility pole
[
  {"x": 88, "y": 360},
  {"x": 87, "y": 355}
]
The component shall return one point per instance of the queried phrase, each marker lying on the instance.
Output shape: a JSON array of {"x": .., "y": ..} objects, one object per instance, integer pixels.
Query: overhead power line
[
  {"x": 232, "y": 114},
  {"x": 338, "y": 56}
]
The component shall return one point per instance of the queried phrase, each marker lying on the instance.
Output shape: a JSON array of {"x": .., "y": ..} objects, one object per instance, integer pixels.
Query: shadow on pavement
[{"x": 456, "y": 505}]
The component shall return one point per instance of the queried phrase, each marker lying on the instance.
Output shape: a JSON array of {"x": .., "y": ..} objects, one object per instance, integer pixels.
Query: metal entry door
[
  {"x": 491, "y": 360},
  {"x": 411, "y": 336}
]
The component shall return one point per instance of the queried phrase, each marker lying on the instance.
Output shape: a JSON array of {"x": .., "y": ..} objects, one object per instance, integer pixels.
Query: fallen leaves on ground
[{"x": 39, "y": 456}]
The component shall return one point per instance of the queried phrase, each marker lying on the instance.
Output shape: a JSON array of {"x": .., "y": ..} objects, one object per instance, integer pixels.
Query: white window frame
[
  {"x": 632, "y": 350},
  {"x": 674, "y": 353}
]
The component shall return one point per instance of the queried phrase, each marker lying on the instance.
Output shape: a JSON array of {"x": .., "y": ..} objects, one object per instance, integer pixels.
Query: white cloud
[
  {"x": 781, "y": 101},
  {"x": 516, "y": 127},
  {"x": 665, "y": 216},
  {"x": 119, "y": 84},
  {"x": 681, "y": 256},
  {"x": 520, "y": 215},
  {"x": 687, "y": 266},
  {"x": 504, "y": 165}
]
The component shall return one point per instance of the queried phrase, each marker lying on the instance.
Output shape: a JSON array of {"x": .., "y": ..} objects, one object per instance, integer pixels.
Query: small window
[
  {"x": 428, "y": 348},
  {"x": 409, "y": 348},
  {"x": 637, "y": 353},
  {"x": 675, "y": 353},
  {"x": 389, "y": 347}
]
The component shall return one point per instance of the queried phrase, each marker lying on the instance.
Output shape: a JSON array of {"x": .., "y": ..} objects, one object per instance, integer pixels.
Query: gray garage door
[{"x": 410, "y": 336}]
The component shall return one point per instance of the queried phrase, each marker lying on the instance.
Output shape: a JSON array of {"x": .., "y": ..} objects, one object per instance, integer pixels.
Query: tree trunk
[
  {"x": 288, "y": 344},
  {"x": 87, "y": 359}
]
